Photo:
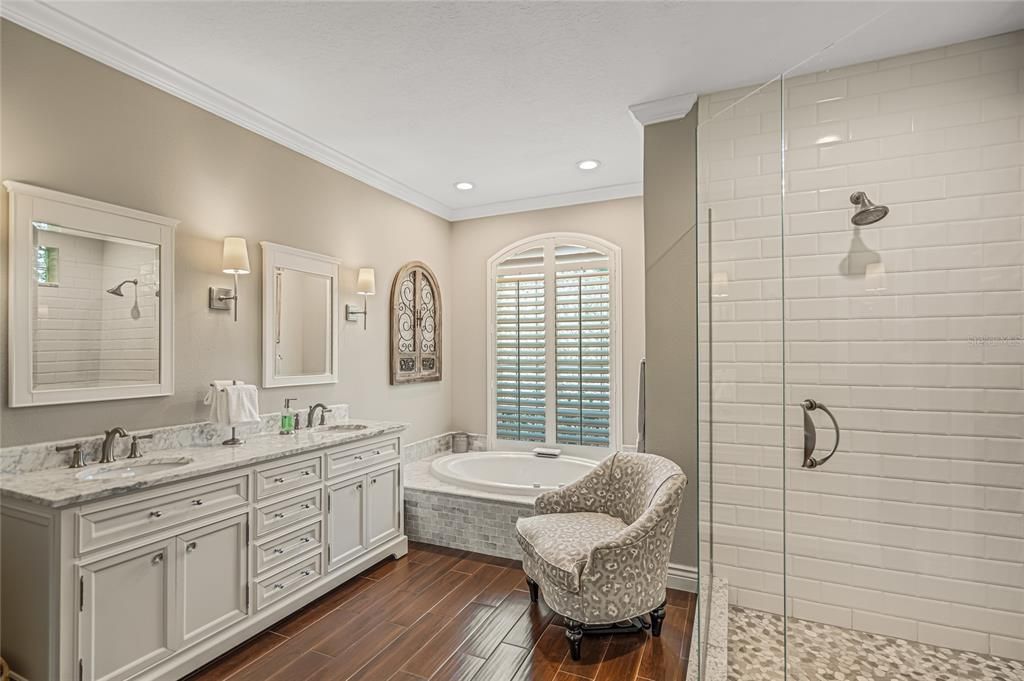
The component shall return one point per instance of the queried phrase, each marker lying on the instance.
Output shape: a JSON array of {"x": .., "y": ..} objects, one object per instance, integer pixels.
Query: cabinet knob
[
  {"x": 190, "y": 547},
  {"x": 373, "y": 481},
  {"x": 278, "y": 479},
  {"x": 305, "y": 506},
  {"x": 306, "y": 540},
  {"x": 156, "y": 514},
  {"x": 307, "y": 573},
  {"x": 359, "y": 486},
  {"x": 358, "y": 457},
  {"x": 278, "y": 550},
  {"x": 307, "y": 473},
  {"x": 279, "y": 515},
  {"x": 279, "y": 586},
  {"x": 376, "y": 452},
  {"x": 158, "y": 558},
  {"x": 197, "y": 502}
]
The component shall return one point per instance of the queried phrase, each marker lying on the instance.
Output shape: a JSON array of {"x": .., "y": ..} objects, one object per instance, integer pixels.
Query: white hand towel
[
  {"x": 242, "y": 404},
  {"x": 217, "y": 400}
]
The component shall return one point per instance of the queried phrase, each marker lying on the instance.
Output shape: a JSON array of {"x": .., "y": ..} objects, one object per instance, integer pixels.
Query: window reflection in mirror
[
  {"x": 304, "y": 324},
  {"x": 96, "y": 314}
]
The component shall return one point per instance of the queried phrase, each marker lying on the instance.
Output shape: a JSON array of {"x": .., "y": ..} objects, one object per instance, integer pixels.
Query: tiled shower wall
[{"x": 916, "y": 528}]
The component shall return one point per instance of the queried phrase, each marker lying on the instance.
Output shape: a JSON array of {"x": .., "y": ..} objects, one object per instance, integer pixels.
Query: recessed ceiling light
[
  {"x": 463, "y": 186},
  {"x": 589, "y": 164}
]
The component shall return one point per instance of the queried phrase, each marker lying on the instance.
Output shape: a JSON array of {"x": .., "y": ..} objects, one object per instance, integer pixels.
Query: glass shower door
[{"x": 903, "y": 256}]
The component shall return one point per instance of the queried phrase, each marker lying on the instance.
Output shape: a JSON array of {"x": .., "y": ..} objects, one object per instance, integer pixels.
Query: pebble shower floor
[{"x": 820, "y": 652}]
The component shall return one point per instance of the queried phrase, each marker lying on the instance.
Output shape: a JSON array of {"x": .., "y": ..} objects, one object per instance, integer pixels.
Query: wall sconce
[
  {"x": 366, "y": 285},
  {"x": 236, "y": 261}
]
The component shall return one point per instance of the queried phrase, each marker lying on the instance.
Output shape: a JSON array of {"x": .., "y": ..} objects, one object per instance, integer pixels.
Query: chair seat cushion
[{"x": 560, "y": 543}]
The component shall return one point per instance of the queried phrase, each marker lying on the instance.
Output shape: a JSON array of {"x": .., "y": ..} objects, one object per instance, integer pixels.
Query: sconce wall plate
[{"x": 220, "y": 298}]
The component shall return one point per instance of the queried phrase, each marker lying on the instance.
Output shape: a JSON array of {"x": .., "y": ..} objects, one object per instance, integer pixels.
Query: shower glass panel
[
  {"x": 739, "y": 157},
  {"x": 861, "y": 290},
  {"x": 903, "y": 259}
]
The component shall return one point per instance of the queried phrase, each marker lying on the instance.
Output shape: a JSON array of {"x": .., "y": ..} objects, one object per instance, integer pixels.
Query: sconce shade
[
  {"x": 366, "y": 284},
  {"x": 236, "y": 256}
]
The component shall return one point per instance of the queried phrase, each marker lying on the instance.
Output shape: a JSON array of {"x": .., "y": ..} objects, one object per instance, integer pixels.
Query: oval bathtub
[{"x": 509, "y": 472}]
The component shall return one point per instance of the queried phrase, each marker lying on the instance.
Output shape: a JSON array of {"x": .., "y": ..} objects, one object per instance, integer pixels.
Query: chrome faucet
[
  {"x": 108, "y": 443},
  {"x": 324, "y": 411}
]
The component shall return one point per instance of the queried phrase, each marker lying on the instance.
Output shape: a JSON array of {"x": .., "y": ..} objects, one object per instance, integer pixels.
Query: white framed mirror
[
  {"x": 300, "y": 316},
  {"x": 91, "y": 301}
]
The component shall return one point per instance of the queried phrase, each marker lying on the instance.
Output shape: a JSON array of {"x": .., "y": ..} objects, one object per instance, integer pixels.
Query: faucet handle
[
  {"x": 77, "y": 460},
  {"x": 136, "y": 448}
]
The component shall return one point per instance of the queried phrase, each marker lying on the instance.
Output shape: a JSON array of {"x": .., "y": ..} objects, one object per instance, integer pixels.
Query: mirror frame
[
  {"x": 278, "y": 255},
  {"x": 28, "y": 204}
]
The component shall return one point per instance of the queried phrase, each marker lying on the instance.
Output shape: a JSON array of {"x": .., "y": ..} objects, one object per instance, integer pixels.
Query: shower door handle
[{"x": 811, "y": 433}]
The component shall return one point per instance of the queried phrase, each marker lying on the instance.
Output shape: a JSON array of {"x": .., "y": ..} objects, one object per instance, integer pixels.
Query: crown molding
[
  {"x": 661, "y": 110},
  {"x": 616, "y": 191},
  {"x": 62, "y": 28}
]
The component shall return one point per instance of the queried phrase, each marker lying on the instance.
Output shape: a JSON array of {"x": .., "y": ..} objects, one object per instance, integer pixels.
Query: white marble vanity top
[{"x": 58, "y": 487}]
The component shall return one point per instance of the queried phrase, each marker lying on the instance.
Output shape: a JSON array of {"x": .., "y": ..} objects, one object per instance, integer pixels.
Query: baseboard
[{"x": 682, "y": 577}]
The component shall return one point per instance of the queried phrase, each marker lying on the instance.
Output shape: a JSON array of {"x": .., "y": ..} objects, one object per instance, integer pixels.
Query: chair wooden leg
[
  {"x": 657, "y": 617},
  {"x": 574, "y": 633},
  {"x": 534, "y": 589}
]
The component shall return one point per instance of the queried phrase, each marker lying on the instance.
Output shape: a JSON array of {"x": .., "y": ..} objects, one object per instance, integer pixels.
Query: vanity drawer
[
  {"x": 273, "y": 552},
  {"x": 287, "y": 581},
  {"x": 345, "y": 460},
  {"x": 286, "y": 512},
  {"x": 271, "y": 480},
  {"x": 111, "y": 524}
]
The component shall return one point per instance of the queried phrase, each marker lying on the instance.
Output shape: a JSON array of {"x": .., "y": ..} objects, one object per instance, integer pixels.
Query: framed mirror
[
  {"x": 91, "y": 301},
  {"x": 300, "y": 316}
]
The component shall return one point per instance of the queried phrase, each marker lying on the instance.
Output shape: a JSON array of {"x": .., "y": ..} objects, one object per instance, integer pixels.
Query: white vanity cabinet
[{"x": 153, "y": 583}]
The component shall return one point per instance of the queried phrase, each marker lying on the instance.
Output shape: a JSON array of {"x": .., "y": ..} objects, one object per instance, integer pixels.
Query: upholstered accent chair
[{"x": 598, "y": 549}]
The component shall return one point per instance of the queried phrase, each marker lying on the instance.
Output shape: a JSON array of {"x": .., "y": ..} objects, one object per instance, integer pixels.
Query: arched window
[{"x": 554, "y": 366}]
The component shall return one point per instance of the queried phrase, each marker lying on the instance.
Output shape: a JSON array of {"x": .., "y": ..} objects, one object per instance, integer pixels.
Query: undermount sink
[
  {"x": 131, "y": 469},
  {"x": 342, "y": 427}
]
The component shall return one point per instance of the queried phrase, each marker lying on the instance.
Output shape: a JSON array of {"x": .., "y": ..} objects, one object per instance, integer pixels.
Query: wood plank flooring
[{"x": 447, "y": 615}]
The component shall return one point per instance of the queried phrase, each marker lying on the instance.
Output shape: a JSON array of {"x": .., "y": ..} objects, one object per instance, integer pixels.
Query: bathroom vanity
[{"x": 106, "y": 580}]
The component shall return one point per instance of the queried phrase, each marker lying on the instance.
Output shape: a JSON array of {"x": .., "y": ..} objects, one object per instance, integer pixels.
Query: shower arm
[{"x": 811, "y": 434}]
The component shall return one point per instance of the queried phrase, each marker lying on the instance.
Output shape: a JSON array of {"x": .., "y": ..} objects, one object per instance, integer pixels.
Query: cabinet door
[
  {"x": 212, "y": 578},
  {"x": 382, "y": 511},
  {"x": 127, "y": 612},
  {"x": 345, "y": 521}
]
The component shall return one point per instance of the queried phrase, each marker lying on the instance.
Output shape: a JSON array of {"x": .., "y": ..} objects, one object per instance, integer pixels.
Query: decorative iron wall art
[{"x": 415, "y": 325}]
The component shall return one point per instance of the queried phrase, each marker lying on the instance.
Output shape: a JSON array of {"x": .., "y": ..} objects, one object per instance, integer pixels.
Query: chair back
[{"x": 636, "y": 482}]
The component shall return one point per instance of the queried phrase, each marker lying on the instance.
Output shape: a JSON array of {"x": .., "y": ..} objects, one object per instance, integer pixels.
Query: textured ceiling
[{"x": 507, "y": 95}]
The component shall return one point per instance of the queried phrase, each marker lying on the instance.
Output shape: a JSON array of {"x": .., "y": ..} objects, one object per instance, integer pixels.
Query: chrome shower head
[
  {"x": 116, "y": 290},
  {"x": 868, "y": 213}
]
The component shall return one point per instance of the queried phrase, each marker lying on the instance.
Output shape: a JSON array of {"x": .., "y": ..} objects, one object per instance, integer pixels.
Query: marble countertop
[{"x": 59, "y": 487}]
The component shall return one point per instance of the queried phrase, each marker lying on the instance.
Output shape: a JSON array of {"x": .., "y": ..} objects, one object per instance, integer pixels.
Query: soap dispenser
[{"x": 288, "y": 417}]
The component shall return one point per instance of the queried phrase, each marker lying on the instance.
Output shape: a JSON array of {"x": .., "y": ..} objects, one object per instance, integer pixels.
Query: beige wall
[
  {"x": 71, "y": 124},
  {"x": 670, "y": 243},
  {"x": 474, "y": 241}
]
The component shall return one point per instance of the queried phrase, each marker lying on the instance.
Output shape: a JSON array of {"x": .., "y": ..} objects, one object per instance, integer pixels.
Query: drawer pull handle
[
  {"x": 279, "y": 550},
  {"x": 374, "y": 481},
  {"x": 278, "y": 479},
  {"x": 158, "y": 558},
  {"x": 359, "y": 486},
  {"x": 306, "y": 540},
  {"x": 307, "y": 573},
  {"x": 307, "y": 473},
  {"x": 197, "y": 502},
  {"x": 358, "y": 457},
  {"x": 156, "y": 514},
  {"x": 376, "y": 452},
  {"x": 190, "y": 547},
  {"x": 305, "y": 506},
  {"x": 279, "y": 515},
  {"x": 279, "y": 585}
]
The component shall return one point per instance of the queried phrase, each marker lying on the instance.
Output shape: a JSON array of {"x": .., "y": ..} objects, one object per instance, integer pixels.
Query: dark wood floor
[{"x": 445, "y": 614}]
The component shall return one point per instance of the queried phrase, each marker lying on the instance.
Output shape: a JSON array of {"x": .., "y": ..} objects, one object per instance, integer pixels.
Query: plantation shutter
[
  {"x": 520, "y": 352},
  {"x": 583, "y": 346}
]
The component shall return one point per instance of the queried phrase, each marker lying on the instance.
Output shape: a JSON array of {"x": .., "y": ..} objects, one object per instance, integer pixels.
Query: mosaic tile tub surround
[
  {"x": 821, "y": 652},
  {"x": 44, "y": 455}
]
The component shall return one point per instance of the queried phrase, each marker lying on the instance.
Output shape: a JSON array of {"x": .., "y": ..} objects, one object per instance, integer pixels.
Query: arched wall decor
[{"x": 415, "y": 325}]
